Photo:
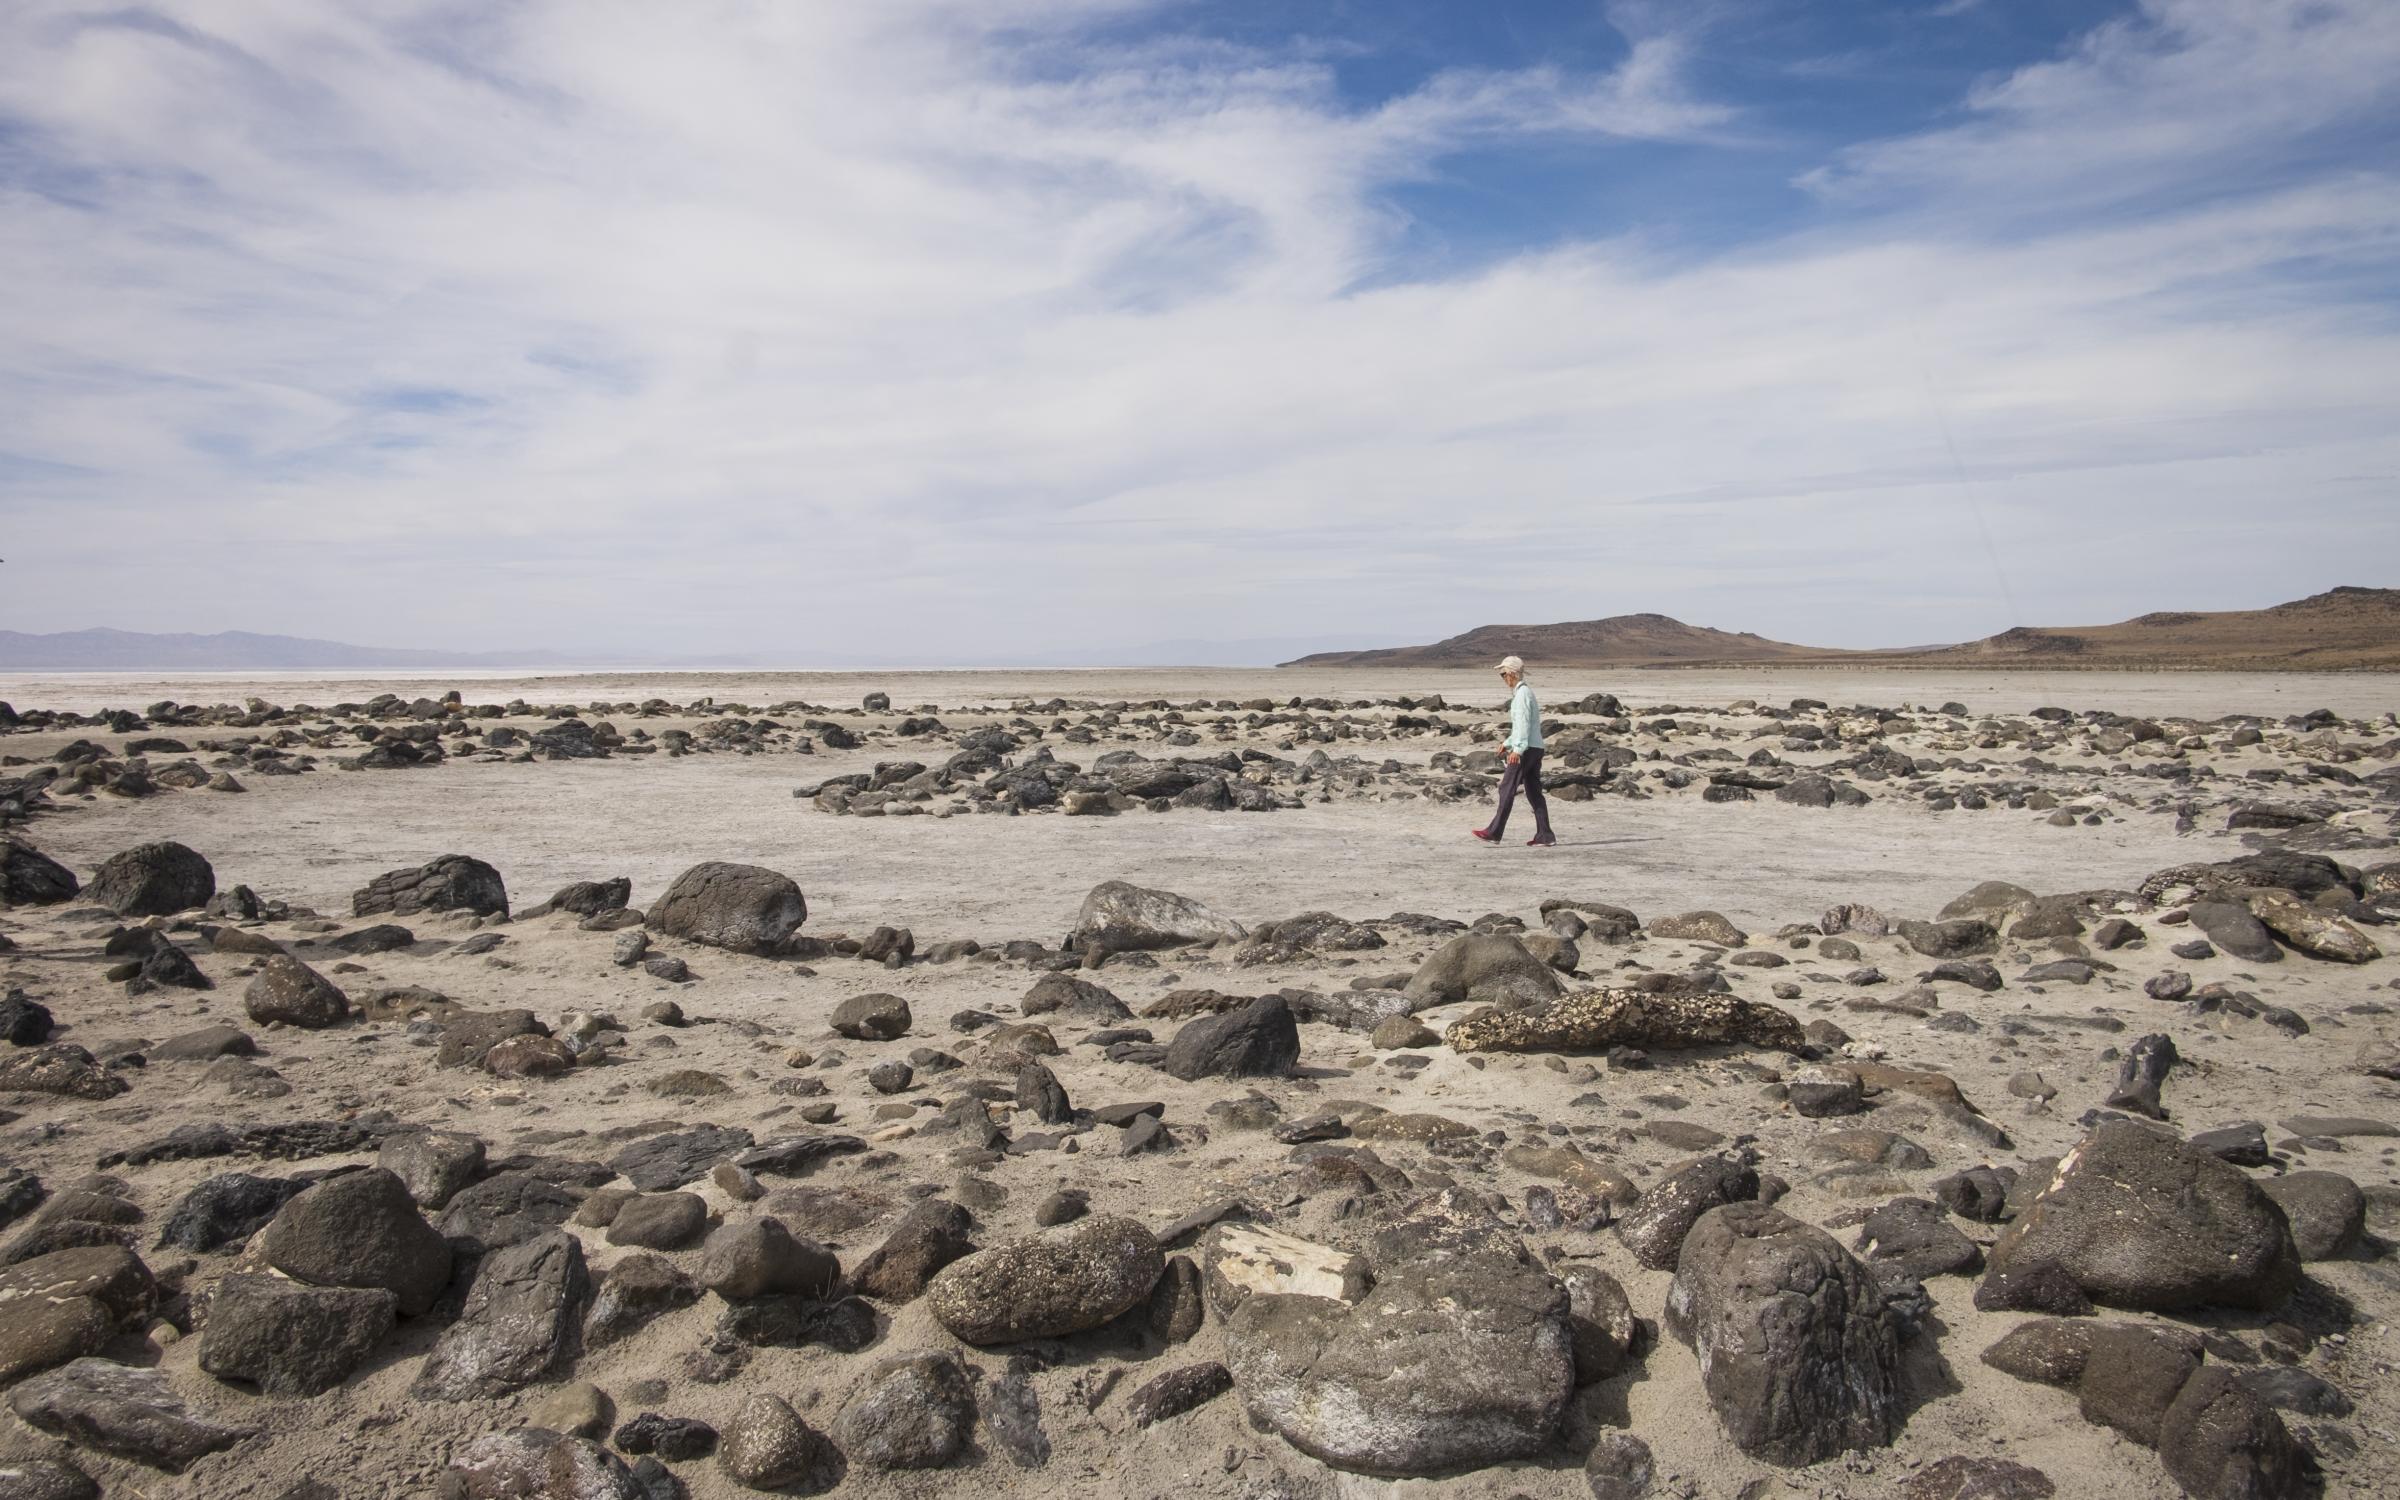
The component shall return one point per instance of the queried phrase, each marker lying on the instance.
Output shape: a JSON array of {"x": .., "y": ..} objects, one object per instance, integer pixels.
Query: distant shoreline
[{"x": 554, "y": 673}]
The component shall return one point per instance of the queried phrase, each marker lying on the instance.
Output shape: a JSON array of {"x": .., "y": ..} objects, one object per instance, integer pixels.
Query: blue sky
[{"x": 945, "y": 330}]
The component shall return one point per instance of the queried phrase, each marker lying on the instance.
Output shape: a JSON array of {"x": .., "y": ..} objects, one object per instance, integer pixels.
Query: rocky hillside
[
  {"x": 2342, "y": 629},
  {"x": 1620, "y": 640}
]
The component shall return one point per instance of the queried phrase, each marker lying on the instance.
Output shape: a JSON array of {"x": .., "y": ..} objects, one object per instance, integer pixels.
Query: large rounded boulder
[
  {"x": 1490, "y": 968},
  {"x": 742, "y": 908},
  {"x": 153, "y": 880},
  {"x": 1458, "y": 1357},
  {"x": 1119, "y": 916},
  {"x": 361, "y": 1229},
  {"x": 1796, "y": 1350},
  {"x": 2136, "y": 1218},
  {"x": 1048, "y": 1285},
  {"x": 454, "y": 882},
  {"x": 1259, "y": 1040},
  {"x": 288, "y": 991}
]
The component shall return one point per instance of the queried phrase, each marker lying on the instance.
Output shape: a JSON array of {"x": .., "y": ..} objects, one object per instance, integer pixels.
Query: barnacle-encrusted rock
[{"x": 1594, "y": 1020}]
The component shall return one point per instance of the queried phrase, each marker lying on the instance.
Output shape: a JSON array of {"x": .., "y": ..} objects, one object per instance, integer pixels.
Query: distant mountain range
[
  {"x": 241, "y": 651},
  {"x": 230, "y": 651},
  {"x": 2343, "y": 629}
]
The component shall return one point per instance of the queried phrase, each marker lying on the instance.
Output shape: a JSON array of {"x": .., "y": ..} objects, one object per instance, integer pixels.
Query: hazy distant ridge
[
  {"x": 243, "y": 651},
  {"x": 226, "y": 651}
]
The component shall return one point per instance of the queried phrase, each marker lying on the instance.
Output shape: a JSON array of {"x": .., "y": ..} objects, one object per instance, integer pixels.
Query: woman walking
[{"x": 1524, "y": 760}]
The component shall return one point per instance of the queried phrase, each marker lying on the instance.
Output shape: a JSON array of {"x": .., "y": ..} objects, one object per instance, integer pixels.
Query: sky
[{"x": 955, "y": 331}]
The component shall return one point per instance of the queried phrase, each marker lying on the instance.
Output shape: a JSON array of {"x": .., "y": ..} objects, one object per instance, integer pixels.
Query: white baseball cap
[{"x": 1515, "y": 664}]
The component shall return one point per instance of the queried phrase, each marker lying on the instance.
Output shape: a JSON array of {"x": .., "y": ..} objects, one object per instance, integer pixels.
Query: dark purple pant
[{"x": 1525, "y": 774}]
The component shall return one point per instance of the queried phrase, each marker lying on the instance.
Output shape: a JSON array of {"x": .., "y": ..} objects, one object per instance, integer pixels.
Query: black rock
[
  {"x": 676, "y": 1439},
  {"x": 520, "y": 1321},
  {"x": 28, "y": 877},
  {"x": 741, "y": 908},
  {"x": 360, "y": 1229},
  {"x": 2135, "y": 1218},
  {"x": 226, "y": 1210},
  {"x": 2235, "y": 930},
  {"x": 453, "y": 882},
  {"x": 1655, "y": 1227},
  {"x": 152, "y": 880},
  {"x": 586, "y": 898},
  {"x": 928, "y": 1237},
  {"x": 2244, "y": 1145},
  {"x": 24, "y": 1022},
  {"x": 1040, "y": 1094},
  {"x": 1259, "y": 1040},
  {"x": 872, "y": 1018},
  {"x": 507, "y": 1208},
  {"x": 2130, "y": 1376},
  {"x": 2221, "y": 1442},
  {"x": 2142, "y": 1074},
  {"x": 1796, "y": 1351},
  {"x": 384, "y": 937},
  {"x": 657, "y": 1163},
  {"x": 1176, "y": 1392},
  {"x": 780, "y": 1321},
  {"x": 637, "y": 1288},
  {"x": 291, "y": 1339},
  {"x": 1979, "y": 1194},
  {"x": 1916, "y": 1236}
]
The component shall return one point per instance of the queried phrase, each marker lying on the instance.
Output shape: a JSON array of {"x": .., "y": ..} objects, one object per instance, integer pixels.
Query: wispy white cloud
[
  {"x": 927, "y": 322},
  {"x": 2177, "y": 97}
]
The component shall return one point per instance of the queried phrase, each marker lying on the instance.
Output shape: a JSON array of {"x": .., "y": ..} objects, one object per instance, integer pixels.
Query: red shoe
[
  {"x": 1484, "y": 834},
  {"x": 1539, "y": 843}
]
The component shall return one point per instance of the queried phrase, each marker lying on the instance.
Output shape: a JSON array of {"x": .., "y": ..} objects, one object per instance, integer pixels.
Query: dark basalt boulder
[
  {"x": 1655, "y": 1229},
  {"x": 521, "y": 1320},
  {"x": 152, "y": 880},
  {"x": 1797, "y": 1351},
  {"x": 453, "y": 882},
  {"x": 361, "y": 1229},
  {"x": 28, "y": 877},
  {"x": 288, "y": 991},
  {"x": 740, "y": 908},
  {"x": 1259, "y": 1040},
  {"x": 2136, "y": 1218},
  {"x": 589, "y": 898},
  {"x": 290, "y": 1339}
]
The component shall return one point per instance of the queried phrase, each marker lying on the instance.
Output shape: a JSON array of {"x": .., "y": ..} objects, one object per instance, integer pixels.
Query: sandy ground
[
  {"x": 314, "y": 838},
  {"x": 317, "y": 838}
]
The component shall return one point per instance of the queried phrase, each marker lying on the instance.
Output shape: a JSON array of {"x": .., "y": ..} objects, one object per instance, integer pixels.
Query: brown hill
[
  {"x": 2343, "y": 629},
  {"x": 1620, "y": 641}
]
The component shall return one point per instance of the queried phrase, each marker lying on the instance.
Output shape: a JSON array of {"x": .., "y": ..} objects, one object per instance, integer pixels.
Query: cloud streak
[{"x": 954, "y": 329}]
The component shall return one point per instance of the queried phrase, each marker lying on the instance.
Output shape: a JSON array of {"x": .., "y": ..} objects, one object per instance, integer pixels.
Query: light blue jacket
[{"x": 1524, "y": 720}]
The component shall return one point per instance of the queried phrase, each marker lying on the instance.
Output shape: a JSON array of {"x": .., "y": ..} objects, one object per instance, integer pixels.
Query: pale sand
[{"x": 315, "y": 838}]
